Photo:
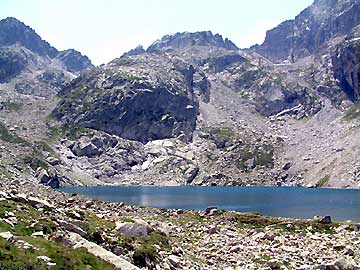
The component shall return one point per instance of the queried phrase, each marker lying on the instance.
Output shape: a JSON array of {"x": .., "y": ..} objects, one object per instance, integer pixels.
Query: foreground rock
[{"x": 130, "y": 237}]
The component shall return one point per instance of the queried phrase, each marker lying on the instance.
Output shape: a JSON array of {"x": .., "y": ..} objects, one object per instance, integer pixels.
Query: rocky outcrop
[
  {"x": 11, "y": 64},
  {"x": 74, "y": 61},
  {"x": 136, "y": 51},
  {"x": 220, "y": 62},
  {"x": 146, "y": 99},
  {"x": 48, "y": 178},
  {"x": 314, "y": 26},
  {"x": 346, "y": 63},
  {"x": 186, "y": 39}
]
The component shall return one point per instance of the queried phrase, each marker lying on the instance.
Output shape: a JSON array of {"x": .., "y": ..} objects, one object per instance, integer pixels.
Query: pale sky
[{"x": 104, "y": 30}]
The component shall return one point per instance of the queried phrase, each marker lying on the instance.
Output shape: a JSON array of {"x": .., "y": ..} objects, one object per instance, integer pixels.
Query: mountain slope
[
  {"x": 253, "y": 117},
  {"x": 31, "y": 73},
  {"x": 193, "y": 109}
]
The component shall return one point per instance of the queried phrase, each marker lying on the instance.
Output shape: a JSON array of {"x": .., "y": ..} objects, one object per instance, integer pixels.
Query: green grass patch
[
  {"x": 352, "y": 113},
  {"x": 67, "y": 258},
  {"x": 29, "y": 221},
  {"x": 10, "y": 137},
  {"x": 256, "y": 220},
  {"x": 263, "y": 155},
  {"x": 15, "y": 258},
  {"x": 145, "y": 249},
  {"x": 323, "y": 181},
  {"x": 93, "y": 224},
  {"x": 11, "y": 105},
  {"x": 35, "y": 161},
  {"x": 188, "y": 217},
  {"x": 263, "y": 259},
  {"x": 221, "y": 136}
]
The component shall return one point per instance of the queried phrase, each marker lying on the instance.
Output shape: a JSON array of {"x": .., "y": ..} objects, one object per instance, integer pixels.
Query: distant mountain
[
  {"x": 317, "y": 24},
  {"x": 22, "y": 49},
  {"x": 187, "y": 39}
]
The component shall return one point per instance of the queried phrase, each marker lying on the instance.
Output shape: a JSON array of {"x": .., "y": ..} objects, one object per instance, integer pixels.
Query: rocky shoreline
[{"x": 130, "y": 237}]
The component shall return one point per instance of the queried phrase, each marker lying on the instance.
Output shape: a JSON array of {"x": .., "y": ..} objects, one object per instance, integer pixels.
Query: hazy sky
[{"x": 105, "y": 29}]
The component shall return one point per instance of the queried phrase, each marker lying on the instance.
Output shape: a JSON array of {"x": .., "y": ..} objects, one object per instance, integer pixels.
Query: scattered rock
[
  {"x": 46, "y": 260},
  {"x": 174, "y": 260},
  {"x": 323, "y": 219},
  {"x": 211, "y": 210},
  {"x": 274, "y": 264},
  {"x": 6, "y": 235},
  {"x": 345, "y": 263},
  {"x": 287, "y": 166},
  {"x": 191, "y": 173},
  {"x": 38, "y": 234},
  {"x": 53, "y": 161}
]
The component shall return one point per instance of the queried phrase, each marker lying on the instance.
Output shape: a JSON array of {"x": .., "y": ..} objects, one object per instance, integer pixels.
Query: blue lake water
[{"x": 340, "y": 204}]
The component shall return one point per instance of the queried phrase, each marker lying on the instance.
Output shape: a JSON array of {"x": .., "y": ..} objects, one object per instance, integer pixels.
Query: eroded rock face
[
  {"x": 346, "y": 63},
  {"x": 143, "y": 99}
]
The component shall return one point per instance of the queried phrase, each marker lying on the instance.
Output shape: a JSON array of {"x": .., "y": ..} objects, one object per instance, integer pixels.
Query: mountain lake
[{"x": 292, "y": 202}]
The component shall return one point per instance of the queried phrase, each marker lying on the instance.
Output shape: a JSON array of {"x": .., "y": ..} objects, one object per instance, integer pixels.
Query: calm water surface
[{"x": 273, "y": 201}]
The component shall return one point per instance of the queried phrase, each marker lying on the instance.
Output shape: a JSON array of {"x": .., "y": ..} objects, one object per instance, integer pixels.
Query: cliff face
[
  {"x": 314, "y": 26},
  {"x": 139, "y": 98},
  {"x": 346, "y": 62},
  {"x": 11, "y": 64}
]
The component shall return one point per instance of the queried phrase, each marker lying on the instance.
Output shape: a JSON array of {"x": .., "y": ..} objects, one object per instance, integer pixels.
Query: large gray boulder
[
  {"x": 138, "y": 228},
  {"x": 84, "y": 147}
]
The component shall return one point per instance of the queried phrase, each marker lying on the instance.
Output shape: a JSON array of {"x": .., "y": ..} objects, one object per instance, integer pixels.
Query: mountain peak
[
  {"x": 136, "y": 51},
  {"x": 13, "y": 31},
  {"x": 188, "y": 39},
  {"x": 11, "y": 20}
]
